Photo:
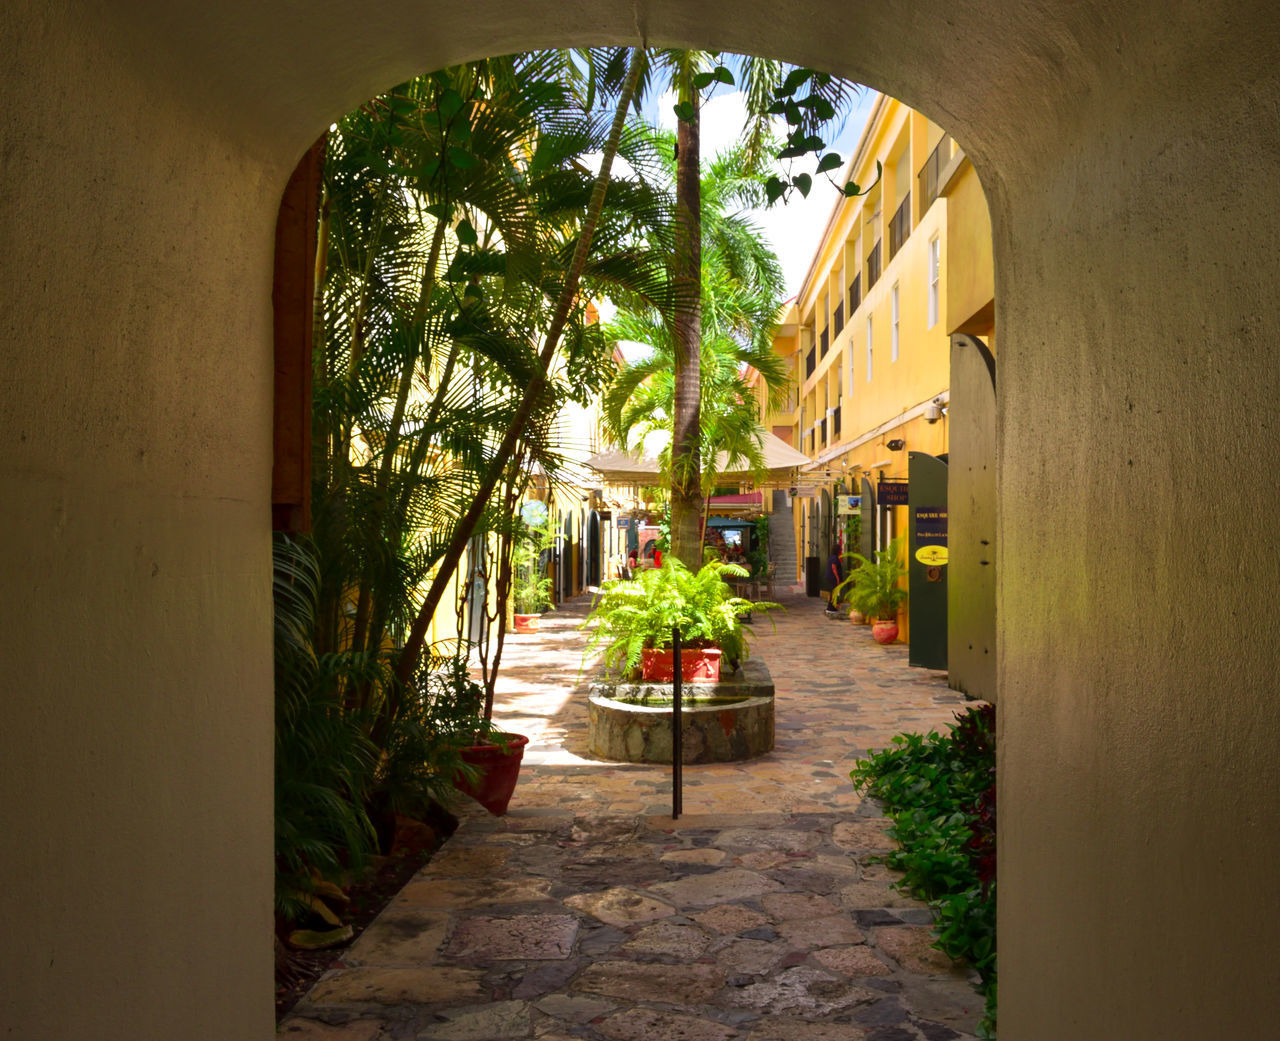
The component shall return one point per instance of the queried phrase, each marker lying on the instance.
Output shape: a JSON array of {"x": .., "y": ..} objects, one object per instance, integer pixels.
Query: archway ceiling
[{"x": 280, "y": 72}]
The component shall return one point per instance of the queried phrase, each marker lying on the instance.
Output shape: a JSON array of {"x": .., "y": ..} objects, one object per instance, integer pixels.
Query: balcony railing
[
  {"x": 838, "y": 321},
  {"x": 824, "y": 342},
  {"x": 810, "y": 362},
  {"x": 855, "y": 293},
  {"x": 931, "y": 173},
  {"x": 873, "y": 266},
  {"x": 900, "y": 226}
]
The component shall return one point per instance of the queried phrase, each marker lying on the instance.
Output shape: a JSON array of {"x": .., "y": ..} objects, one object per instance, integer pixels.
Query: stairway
[{"x": 782, "y": 544}]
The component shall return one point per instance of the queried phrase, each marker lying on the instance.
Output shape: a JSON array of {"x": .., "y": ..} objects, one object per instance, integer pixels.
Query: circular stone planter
[{"x": 725, "y": 722}]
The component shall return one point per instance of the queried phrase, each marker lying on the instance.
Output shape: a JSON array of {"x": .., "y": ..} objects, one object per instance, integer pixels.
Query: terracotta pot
[
  {"x": 525, "y": 623},
  {"x": 856, "y": 617},
  {"x": 498, "y": 770},
  {"x": 885, "y": 630},
  {"x": 697, "y": 664}
]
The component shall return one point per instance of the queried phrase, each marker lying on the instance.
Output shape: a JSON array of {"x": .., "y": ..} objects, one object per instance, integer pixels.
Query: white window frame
[
  {"x": 870, "y": 343},
  {"x": 935, "y": 274},
  {"x": 895, "y": 326}
]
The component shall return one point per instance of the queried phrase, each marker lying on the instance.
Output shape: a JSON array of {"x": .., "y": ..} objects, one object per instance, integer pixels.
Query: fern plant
[
  {"x": 873, "y": 587},
  {"x": 532, "y": 587},
  {"x": 631, "y": 615}
]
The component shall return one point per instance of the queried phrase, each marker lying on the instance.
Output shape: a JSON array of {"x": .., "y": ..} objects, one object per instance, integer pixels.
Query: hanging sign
[
  {"x": 930, "y": 524},
  {"x": 848, "y": 504},
  {"x": 892, "y": 493}
]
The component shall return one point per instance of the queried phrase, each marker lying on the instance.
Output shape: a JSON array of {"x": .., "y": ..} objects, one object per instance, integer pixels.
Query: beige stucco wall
[
  {"x": 135, "y": 729},
  {"x": 1128, "y": 152}
]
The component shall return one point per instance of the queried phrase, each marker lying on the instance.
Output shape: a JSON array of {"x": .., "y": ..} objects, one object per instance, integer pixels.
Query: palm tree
[
  {"x": 562, "y": 287},
  {"x": 770, "y": 88},
  {"x": 740, "y": 283},
  {"x": 457, "y": 224}
]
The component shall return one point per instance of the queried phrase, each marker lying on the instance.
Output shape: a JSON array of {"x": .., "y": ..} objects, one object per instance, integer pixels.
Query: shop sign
[
  {"x": 624, "y": 522},
  {"x": 930, "y": 535},
  {"x": 892, "y": 493},
  {"x": 848, "y": 504}
]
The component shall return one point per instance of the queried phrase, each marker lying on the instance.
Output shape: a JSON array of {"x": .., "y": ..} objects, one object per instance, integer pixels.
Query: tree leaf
[
  {"x": 466, "y": 233},
  {"x": 774, "y": 188},
  {"x": 449, "y": 105},
  {"x": 684, "y": 111},
  {"x": 703, "y": 80},
  {"x": 851, "y": 189},
  {"x": 823, "y": 109},
  {"x": 804, "y": 182},
  {"x": 462, "y": 159},
  {"x": 793, "y": 81},
  {"x": 723, "y": 75},
  {"x": 828, "y": 162}
]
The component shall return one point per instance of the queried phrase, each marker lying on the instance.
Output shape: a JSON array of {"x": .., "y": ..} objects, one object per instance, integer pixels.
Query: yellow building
[{"x": 898, "y": 270}]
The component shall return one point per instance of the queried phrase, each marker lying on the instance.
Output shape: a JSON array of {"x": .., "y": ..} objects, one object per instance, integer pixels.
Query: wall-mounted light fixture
[
  {"x": 896, "y": 445},
  {"x": 934, "y": 411}
]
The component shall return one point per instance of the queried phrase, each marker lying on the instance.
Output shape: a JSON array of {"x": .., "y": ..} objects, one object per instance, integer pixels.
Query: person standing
[{"x": 831, "y": 578}]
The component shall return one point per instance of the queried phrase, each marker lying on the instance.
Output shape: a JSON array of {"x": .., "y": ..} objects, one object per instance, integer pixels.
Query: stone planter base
[{"x": 725, "y": 722}]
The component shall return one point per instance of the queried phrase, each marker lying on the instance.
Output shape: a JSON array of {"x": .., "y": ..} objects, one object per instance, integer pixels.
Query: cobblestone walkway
[{"x": 587, "y": 913}]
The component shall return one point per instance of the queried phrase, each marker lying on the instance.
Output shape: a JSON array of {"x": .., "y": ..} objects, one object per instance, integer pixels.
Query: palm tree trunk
[
  {"x": 533, "y": 397},
  {"x": 686, "y": 478}
]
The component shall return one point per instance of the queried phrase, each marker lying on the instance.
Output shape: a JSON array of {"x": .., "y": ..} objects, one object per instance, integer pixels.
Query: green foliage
[
  {"x": 873, "y": 587},
  {"x": 532, "y": 587},
  {"x": 939, "y": 791},
  {"x": 324, "y": 760},
  {"x": 758, "y": 556},
  {"x": 630, "y": 615}
]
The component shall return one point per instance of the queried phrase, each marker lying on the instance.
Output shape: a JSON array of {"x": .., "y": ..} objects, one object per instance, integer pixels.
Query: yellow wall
[{"x": 892, "y": 403}]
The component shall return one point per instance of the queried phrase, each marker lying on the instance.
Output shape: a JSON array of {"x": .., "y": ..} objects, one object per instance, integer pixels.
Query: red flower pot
[
  {"x": 525, "y": 623},
  {"x": 885, "y": 631},
  {"x": 498, "y": 770},
  {"x": 697, "y": 664}
]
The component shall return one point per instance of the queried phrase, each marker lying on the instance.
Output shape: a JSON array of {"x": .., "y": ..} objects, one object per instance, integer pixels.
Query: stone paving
[{"x": 587, "y": 913}]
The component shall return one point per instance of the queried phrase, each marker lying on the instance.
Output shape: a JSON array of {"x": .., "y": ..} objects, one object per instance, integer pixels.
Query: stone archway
[{"x": 1128, "y": 155}]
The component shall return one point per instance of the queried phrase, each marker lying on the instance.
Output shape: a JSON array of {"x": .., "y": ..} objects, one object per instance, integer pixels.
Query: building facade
[{"x": 898, "y": 270}]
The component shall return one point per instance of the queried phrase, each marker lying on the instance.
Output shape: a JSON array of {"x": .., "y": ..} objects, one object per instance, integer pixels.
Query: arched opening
[{"x": 1137, "y": 334}]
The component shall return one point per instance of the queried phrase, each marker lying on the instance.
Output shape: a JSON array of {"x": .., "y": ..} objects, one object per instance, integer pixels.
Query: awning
[{"x": 615, "y": 464}]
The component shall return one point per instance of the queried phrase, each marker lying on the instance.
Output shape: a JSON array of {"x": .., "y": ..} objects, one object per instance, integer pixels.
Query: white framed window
[
  {"x": 935, "y": 270},
  {"x": 894, "y": 328},
  {"x": 869, "y": 343}
]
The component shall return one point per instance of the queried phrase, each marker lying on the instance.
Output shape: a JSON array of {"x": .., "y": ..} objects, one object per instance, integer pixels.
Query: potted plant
[
  {"x": 873, "y": 589},
  {"x": 531, "y": 586},
  {"x": 455, "y": 705},
  {"x": 634, "y": 618}
]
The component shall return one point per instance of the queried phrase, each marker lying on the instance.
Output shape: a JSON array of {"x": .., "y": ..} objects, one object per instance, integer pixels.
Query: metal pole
[{"x": 677, "y": 728}]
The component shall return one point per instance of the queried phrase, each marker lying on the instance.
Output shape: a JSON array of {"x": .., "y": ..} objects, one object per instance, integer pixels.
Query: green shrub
[
  {"x": 873, "y": 587},
  {"x": 939, "y": 791},
  {"x": 631, "y": 615}
]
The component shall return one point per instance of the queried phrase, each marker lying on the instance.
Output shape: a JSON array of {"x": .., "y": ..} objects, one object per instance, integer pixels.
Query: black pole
[{"x": 677, "y": 728}]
